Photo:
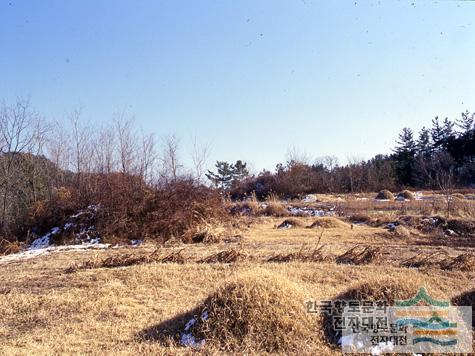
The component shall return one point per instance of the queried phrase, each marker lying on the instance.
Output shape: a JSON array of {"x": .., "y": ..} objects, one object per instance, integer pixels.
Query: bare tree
[
  {"x": 127, "y": 143},
  {"x": 21, "y": 131},
  {"x": 169, "y": 160},
  {"x": 199, "y": 158},
  {"x": 148, "y": 157}
]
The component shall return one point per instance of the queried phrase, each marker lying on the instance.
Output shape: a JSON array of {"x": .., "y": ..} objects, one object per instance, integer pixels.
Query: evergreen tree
[
  {"x": 240, "y": 170},
  {"x": 405, "y": 152},
  {"x": 424, "y": 144},
  {"x": 437, "y": 134},
  {"x": 223, "y": 177},
  {"x": 466, "y": 122}
]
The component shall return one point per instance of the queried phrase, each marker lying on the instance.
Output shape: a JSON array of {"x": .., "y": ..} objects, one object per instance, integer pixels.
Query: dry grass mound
[
  {"x": 466, "y": 299},
  {"x": 384, "y": 195},
  {"x": 329, "y": 223},
  {"x": 360, "y": 255},
  {"x": 385, "y": 290},
  {"x": 227, "y": 256},
  {"x": 290, "y": 223},
  {"x": 405, "y": 195},
  {"x": 259, "y": 311},
  {"x": 458, "y": 196}
]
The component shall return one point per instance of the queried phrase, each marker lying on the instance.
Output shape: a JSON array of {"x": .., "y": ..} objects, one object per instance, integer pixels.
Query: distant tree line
[{"x": 441, "y": 157}]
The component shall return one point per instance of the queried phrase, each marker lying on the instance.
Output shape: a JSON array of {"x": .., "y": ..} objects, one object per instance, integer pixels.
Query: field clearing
[{"x": 49, "y": 310}]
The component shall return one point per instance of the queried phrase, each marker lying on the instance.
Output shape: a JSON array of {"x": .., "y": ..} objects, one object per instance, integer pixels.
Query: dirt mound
[
  {"x": 384, "y": 195},
  {"x": 261, "y": 311},
  {"x": 290, "y": 223},
  {"x": 386, "y": 290},
  {"x": 329, "y": 223},
  {"x": 405, "y": 195},
  {"x": 466, "y": 299}
]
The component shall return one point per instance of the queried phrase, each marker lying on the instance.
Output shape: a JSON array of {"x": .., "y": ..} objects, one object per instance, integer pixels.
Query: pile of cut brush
[
  {"x": 464, "y": 262},
  {"x": 227, "y": 256},
  {"x": 360, "y": 255},
  {"x": 313, "y": 255}
]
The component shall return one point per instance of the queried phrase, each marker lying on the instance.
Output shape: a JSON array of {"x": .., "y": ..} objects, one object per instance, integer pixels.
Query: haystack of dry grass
[
  {"x": 227, "y": 256},
  {"x": 401, "y": 231},
  {"x": 384, "y": 195},
  {"x": 290, "y": 223},
  {"x": 329, "y": 223},
  {"x": 405, "y": 195},
  {"x": 360, "y": 255},
  {"x": 258, "y": 311}
]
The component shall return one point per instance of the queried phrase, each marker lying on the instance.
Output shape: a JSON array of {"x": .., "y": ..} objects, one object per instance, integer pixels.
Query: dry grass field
[{"x": 134, "y": 300}]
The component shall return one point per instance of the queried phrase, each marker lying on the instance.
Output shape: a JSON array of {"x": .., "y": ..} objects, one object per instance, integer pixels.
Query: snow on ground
[{"x": 31, "y": 253}]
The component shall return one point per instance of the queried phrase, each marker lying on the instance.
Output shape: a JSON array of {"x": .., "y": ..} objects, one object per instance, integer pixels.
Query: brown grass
[
  {"x": 329, "y": 223},
  {"x": 360, "y": 255},
  {"x": 8, "y": 247},
  {"x": 259, "y": 311}
]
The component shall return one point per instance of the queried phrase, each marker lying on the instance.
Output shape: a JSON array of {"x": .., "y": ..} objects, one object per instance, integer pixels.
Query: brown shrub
[
  {"x": 384, "y": 195},
  {"x": 256, "y": 311},
  {"x": 359, "y": 218},
  {"x": 464, "y": 262},
  {"x": 462, "y": 226},
  {"x": 329, "y": 223}
]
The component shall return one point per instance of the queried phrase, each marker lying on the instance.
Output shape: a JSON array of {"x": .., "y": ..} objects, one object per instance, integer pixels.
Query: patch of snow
[
  {"x": 392, "y": 226},
  {"x": 310, "y": 198},
  {"x": 68, "y": 226},
  {"x": 40, "y": 243},
  {"x": 55, "y": 230},
  {"x": 30, "y": 253},
  {"x": 187, "y": 338},
  {"x": 136, "y": 242}
]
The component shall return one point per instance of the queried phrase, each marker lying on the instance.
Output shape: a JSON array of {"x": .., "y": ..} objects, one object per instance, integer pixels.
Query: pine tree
[
  {"x": 240, "y": 170},
  {"x": 404, "y": 157},
  {"x": 424, "y": 144},
  {"x": 466, "y": 122},
  {"x": 223, "y": 177},
  {"x": 437, "y": 134}
]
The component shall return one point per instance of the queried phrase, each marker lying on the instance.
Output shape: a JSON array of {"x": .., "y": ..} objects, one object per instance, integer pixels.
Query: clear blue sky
[{"x": 253, "y": 77}]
